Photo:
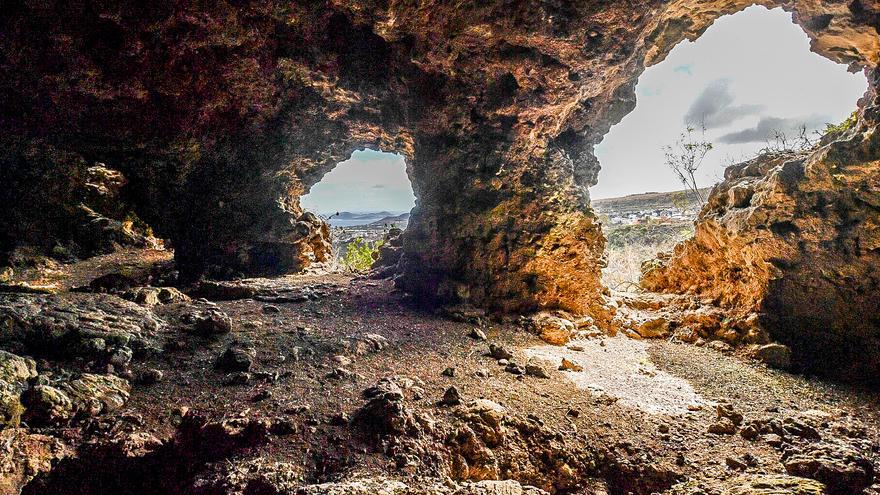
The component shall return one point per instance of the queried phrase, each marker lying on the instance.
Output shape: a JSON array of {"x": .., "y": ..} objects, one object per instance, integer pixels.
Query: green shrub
[
  {"x": 838, "y": 129},
  {"x": 360, "y": 255}
]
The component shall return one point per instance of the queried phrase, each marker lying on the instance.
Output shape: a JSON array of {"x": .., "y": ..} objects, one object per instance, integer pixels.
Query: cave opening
[
  {"x": 748, "y": 85},
  {"x": 367, "y": 201}
]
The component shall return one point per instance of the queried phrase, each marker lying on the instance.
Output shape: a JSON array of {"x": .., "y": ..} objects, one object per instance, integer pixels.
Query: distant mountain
[
  {"x": 347, "y": 215},
  {"x": 403, "y": 218}
]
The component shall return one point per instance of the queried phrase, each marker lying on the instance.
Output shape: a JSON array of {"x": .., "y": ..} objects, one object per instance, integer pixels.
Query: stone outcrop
[
  {"x": 791, "y": 242},
  {"x": 68, "y": 325},
  {"x": 221, "y": 115}
]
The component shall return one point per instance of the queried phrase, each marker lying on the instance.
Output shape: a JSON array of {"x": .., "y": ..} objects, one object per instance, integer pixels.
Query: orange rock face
[{"x": 793, "y": 238}]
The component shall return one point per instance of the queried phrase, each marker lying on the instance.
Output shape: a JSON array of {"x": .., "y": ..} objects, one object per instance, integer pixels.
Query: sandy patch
[{"x": 621, "y": 369}]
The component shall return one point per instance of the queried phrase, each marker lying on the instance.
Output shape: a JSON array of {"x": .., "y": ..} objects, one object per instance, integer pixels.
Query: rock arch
[{"x": 222, "y": 115}]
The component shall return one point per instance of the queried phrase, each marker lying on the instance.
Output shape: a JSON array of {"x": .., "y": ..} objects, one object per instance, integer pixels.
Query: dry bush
[{"x": 635, "y": 244}]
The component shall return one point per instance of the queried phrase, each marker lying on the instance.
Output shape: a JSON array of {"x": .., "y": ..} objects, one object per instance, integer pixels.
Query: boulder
[
  {"x": 653, "y": 328},
  {"x": 72, "y": 324},
  {"x": 153, "y": 296},
  {"x": 236, "y": 358},
  {"x": 16, "y": 369},
  {"x": 553, "y": 329},
  {"x": 47, "y": 405},
  {"x": 842, "y": 469},
  {"x": 11, "y": 407},
  {"x": 773, "y": 355},
  {"x": 212, "y": 323}
]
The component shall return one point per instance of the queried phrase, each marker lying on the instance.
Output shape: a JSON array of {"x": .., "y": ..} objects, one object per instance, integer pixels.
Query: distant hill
[
  {"x": 403, "y": 218},
  {"x": 347, "y": 215},
  {"x": 644, "y": 201}
]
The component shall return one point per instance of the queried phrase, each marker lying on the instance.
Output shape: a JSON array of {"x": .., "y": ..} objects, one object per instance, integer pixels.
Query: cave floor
[{"x": 641, "y": 409}]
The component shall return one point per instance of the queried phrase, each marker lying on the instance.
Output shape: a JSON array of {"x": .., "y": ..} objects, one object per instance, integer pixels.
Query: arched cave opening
[
  {"x": 749, "y": 85},
  {"x": 366, "y": 199}
]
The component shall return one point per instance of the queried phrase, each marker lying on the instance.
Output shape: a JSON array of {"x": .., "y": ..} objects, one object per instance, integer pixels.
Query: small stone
[
  {"x": 514, "y": 369},
  {"x": 236, "y": 358},
  {"x": 724, "y": 410},
  {"x": 340, "y": 374},
  {"x": 570, "y": 366},
  {"x": 212, "y": 323},
  {"x": 282, "y": 426},
  {"x": 341, "y": 360},
  {"x": 663, "y": 428},
  {"x": 774, "y": 355},
  {"x": 451, "y": 397},
  {"x": 482, "y": 373},
  {"x": 734, "y": 463},
  {"x": 723, "y": 426},
  {"x": 499, "y": 352},
  {"x": 536, "y": 371},
  {"x": 503, "y": 362},
  {"x": 450, "y": 372},
  {"x": 121, "y": 357},
  {"x": 749, "y": 432},
  {"x": 720, "y": 346},
  {"x": 151, "y": 376},
  {"x": 237, "y": 378},
  {"x": 477, "y": 334},
  {"x": 270, "y": 309}
]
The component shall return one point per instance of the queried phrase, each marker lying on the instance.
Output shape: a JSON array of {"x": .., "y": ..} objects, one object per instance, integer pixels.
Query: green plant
[
  {"x": 360, "y": 254},
  {"x": 680, "y": 201},
  {"x": 837, "y": 129}
]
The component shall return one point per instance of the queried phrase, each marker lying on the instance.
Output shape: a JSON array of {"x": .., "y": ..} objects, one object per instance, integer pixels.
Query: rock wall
[
  {"x": 794, "y": 238},
  {"x": 221, "y": 115}
]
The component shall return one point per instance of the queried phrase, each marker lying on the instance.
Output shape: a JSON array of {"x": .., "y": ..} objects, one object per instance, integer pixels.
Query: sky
[
  {"x": 369, "y": 181},
  {"x": 749, "y": 74}
]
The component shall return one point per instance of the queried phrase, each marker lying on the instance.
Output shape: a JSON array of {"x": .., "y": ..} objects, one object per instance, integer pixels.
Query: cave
[
  {"x": 220, "y": 142},
  {"x": 202, "y": 125}
]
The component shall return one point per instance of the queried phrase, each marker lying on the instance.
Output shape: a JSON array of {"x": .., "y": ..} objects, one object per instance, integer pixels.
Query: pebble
[
  {"x": 237, "y": 378},
  {"x": 450, "y": 372},
  {"x": 499, "y": 352},
  {"x": 570, "y": 366},
  {"x": 514, "y": 369},
  {"x": 151, "y": 376},
  {"x": 451, "y": 397},
  {"x": 477, "y": 334},
  {"x": 724, "y": 426},
  {"x": 536, "y": 371}
]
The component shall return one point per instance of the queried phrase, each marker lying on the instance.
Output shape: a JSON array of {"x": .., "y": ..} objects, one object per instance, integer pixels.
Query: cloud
[
  {"x": 714, "y": 107},
  {"x": 766, "y": 128},
  {"x": 684, "y": 69}
]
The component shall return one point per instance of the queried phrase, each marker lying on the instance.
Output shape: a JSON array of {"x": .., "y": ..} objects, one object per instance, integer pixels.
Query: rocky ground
[{"x": 327, "y": 384}]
